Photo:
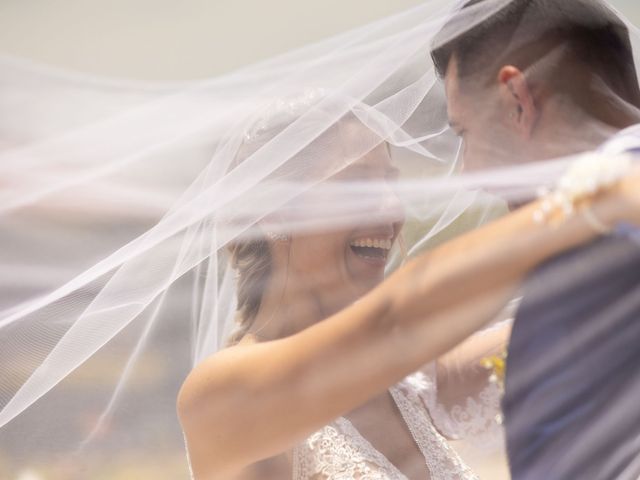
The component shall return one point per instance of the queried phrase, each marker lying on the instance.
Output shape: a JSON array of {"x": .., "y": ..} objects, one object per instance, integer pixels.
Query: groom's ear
[{"x": 520, "y": 109}]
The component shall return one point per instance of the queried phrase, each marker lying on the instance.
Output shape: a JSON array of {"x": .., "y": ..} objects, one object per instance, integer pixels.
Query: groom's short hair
[{"x": 523, "y": 32}]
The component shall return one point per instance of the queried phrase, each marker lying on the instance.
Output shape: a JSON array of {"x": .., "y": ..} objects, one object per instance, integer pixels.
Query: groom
[{"x": 532, "y": 80}]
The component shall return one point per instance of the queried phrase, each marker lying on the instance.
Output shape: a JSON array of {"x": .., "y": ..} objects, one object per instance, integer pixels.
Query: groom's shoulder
[
  {"x": 611, "y": 258},
  {"x": 574, "y": 339}
]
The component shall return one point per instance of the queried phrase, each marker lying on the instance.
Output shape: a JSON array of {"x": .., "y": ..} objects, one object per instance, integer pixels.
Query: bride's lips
[{"x": 372, "y": 248}]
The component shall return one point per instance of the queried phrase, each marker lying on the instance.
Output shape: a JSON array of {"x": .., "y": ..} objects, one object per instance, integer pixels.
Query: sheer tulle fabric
[{"x": 120, "y": 203}]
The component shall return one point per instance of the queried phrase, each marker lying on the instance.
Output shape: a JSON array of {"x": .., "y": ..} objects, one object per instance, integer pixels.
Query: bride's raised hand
[
  {"x": 629, "y": 189},
  {"x": 603, "y": 190}
]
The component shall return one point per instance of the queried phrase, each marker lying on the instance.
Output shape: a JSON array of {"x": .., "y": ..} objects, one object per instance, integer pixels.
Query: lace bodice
[{"x": 339, "y": 452}]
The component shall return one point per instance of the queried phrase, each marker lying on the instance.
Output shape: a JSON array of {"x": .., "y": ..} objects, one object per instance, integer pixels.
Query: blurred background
[
  {"x": 190, "y": 39},
  {"x": 166, "y": 40}
]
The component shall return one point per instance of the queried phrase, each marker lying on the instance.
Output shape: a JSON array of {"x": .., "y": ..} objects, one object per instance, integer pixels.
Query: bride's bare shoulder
[
  {"x": 218, "y": 370},
  {"x": 211, "y": 405}
]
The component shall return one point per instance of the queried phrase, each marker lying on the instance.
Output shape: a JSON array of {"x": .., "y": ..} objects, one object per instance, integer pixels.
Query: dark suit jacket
[{"x": 572, "y": 387}]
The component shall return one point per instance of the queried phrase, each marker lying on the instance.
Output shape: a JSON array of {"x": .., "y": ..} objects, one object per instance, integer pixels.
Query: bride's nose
[{"x": 390, "y": 207}]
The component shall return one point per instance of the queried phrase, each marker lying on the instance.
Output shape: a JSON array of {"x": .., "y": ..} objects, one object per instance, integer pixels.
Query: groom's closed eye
[{"x": 457, "y": 128}]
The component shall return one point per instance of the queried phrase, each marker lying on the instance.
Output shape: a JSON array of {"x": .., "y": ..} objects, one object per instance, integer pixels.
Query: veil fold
[{"x": 121, "y": 203}]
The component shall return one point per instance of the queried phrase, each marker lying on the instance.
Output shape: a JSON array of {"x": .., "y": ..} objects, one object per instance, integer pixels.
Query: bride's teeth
[{"x": 372, "y": 242}]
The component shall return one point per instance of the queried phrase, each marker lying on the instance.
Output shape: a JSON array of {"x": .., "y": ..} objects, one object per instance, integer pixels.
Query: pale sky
[{"x": 180, "y": 40}]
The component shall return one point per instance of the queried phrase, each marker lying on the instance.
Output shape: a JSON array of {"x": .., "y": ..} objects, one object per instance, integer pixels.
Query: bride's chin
[
  {"x": 367, "y": 280},
  {"x": 364, "y": 273}
]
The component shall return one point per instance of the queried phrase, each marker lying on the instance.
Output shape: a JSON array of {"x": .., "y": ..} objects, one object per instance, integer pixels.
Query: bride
[
  {"x": 245, "y": 256},
  {"x": 337, "y": 373}
]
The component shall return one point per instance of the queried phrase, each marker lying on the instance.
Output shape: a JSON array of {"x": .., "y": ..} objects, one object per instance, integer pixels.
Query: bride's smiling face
[{"x": 340, "y": 264}]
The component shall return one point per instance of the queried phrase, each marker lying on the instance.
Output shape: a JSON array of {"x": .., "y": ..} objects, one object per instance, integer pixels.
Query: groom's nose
[
  {"x": 465, "y": 159},
  {"x": 473, "y": 158}
]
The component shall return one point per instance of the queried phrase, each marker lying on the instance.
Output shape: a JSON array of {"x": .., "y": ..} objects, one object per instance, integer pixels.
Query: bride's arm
[
  {"x": 461, "y": 369},
  {"x": 250, "y": 402}
]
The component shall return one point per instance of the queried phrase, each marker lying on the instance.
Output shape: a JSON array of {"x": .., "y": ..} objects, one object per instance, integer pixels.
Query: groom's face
[{"x": 479, "y": 115}]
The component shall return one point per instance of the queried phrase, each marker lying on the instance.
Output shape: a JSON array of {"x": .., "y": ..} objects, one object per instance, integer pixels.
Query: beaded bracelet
[{"x": 585, "y": 178}]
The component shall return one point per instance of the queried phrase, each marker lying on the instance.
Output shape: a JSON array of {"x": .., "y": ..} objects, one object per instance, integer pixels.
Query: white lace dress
[{"x": 339, "y": 452}]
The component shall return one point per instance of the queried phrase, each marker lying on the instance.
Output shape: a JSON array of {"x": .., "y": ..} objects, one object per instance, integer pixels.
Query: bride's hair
[{"x": 252, "y": 261}]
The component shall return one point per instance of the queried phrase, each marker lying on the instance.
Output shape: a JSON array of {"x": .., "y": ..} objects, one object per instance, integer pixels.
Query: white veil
[{"x": 121, "y": 203}]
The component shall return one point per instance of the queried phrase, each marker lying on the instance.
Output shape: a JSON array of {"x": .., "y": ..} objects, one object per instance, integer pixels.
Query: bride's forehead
[
  {"x": 346, "y": 148},
  {"x": 378, "y": 158}
]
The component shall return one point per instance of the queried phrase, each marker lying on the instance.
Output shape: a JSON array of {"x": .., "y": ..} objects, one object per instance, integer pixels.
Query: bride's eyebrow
[
  {"x": 368, "y": 172},
  {"x": 366, "y": 168}
]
